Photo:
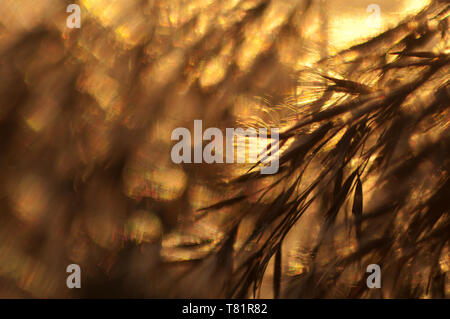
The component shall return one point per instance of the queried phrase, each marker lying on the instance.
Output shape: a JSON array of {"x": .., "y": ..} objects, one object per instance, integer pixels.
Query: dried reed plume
[{"x": 86, "y": 175}]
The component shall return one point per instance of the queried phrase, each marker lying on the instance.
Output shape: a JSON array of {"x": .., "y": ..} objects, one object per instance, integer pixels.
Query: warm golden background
[{"x": 85, "y": 169}]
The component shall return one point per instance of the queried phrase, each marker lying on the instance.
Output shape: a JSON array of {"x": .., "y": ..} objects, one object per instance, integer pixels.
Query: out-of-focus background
[{"x": 86, "y": 117}]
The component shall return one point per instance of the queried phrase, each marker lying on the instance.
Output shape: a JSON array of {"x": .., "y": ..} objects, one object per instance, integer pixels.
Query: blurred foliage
[{"x": 86, "y": 176}]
